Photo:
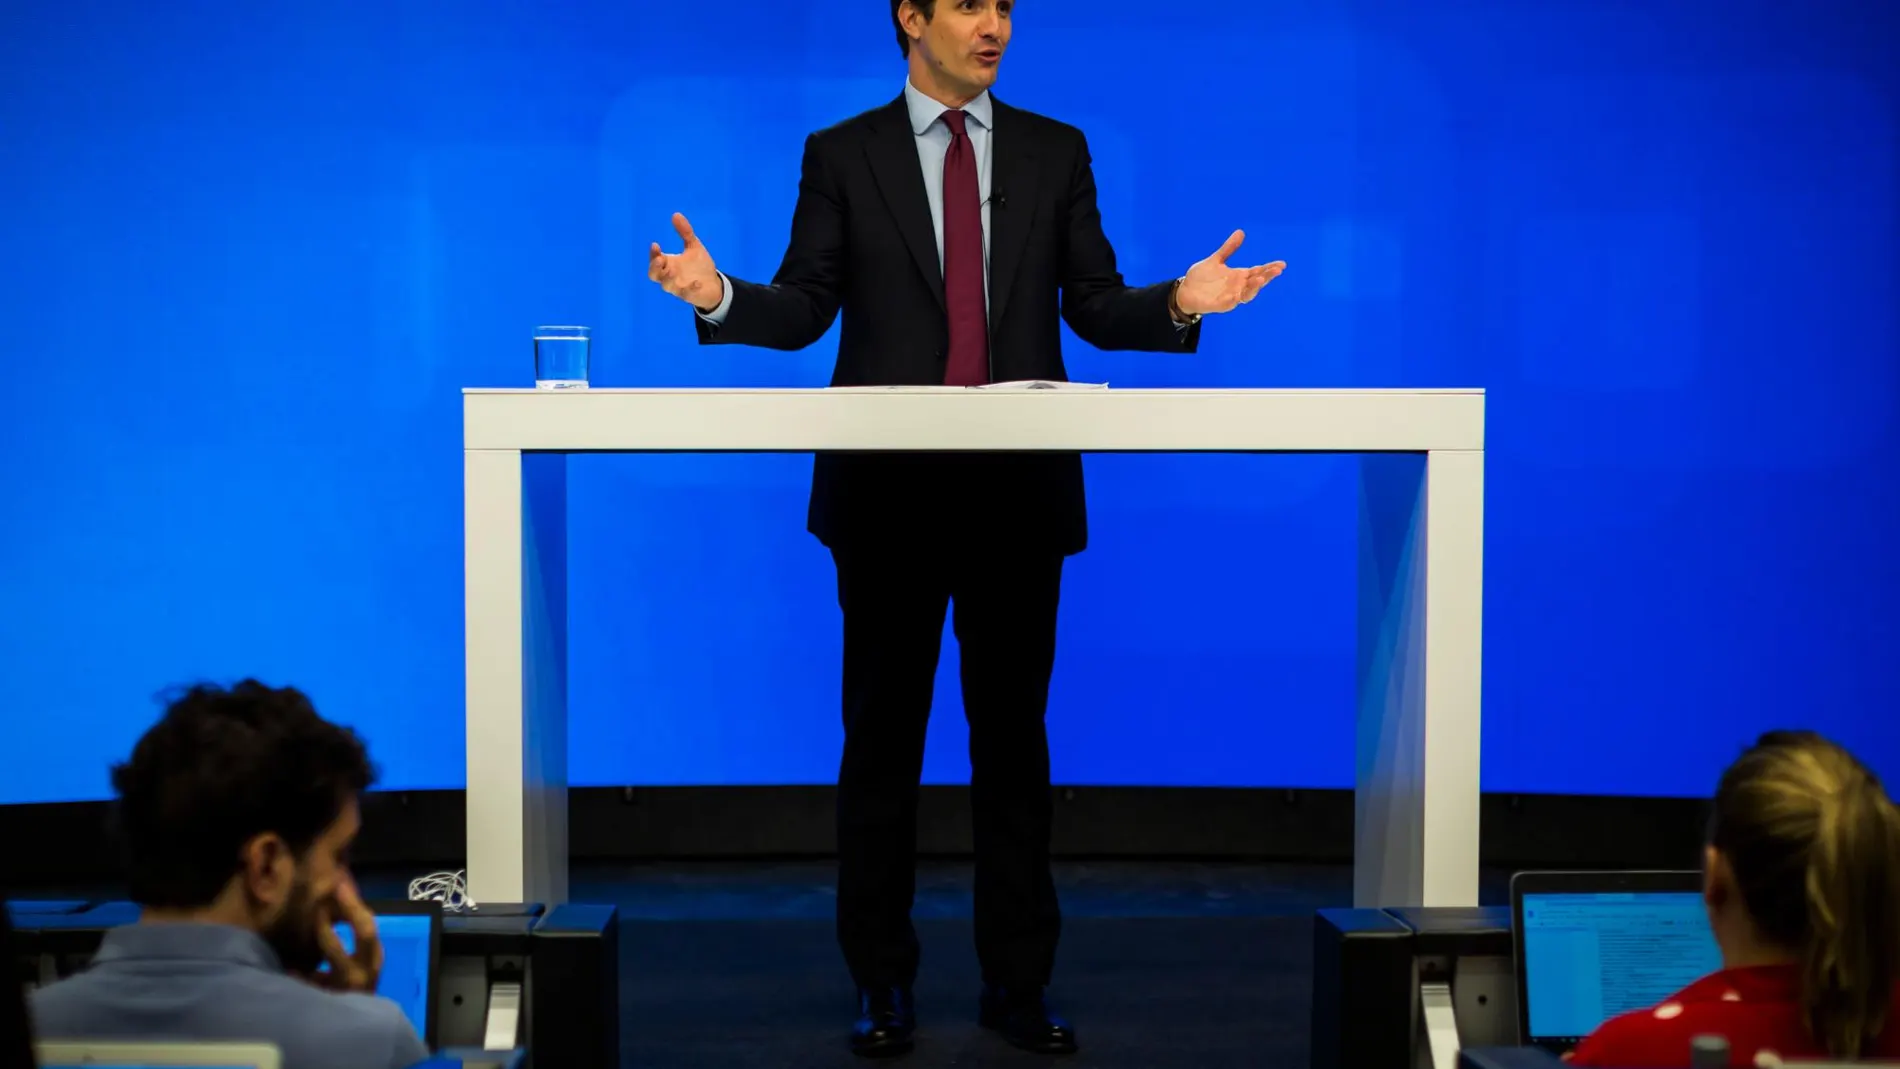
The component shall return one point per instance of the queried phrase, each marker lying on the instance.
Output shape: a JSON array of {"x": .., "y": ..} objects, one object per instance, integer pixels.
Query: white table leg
[
  {"x": 1421, "y": 596},
  {"x": 515, "y": 586}
]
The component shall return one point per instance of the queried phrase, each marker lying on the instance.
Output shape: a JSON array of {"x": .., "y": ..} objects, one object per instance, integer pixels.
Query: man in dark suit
[{"x": 950, "y": 230}]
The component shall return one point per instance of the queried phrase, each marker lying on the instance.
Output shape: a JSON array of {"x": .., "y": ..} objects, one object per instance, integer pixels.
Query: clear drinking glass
[{"x": 560, "y": 357}]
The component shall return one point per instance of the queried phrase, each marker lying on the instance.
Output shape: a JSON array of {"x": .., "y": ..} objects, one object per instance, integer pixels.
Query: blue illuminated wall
[{"x": 253, "y": 251}]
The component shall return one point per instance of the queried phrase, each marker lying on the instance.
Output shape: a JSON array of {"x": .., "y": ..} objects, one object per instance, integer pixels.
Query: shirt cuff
[{"x": 717, "y": 316}]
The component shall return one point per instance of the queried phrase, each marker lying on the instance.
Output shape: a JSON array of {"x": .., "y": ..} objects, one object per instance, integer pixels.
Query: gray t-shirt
[{"x": 215, "y": 983}]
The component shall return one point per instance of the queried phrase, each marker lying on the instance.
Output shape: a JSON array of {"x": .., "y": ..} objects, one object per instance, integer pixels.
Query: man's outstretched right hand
[{"x": 688, "y": 274}]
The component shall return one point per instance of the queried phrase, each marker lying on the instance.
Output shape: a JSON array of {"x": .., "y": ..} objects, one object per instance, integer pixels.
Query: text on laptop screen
[
  {"x": 405, "y": 978},
  {"x": 1589, "y": 957}
]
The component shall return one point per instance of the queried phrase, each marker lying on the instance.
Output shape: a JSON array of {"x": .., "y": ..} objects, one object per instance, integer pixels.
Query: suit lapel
[
  {"x": 1013, "y": 176},
  {"x": 900, "y": 179}
]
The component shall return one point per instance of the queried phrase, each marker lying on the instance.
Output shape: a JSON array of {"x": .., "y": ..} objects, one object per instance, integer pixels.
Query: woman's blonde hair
[{"x": 1814, "y": 843}]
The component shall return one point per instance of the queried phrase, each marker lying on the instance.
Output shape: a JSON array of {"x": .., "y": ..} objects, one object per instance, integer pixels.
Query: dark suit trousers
[{"x": 1005, "y": 623}]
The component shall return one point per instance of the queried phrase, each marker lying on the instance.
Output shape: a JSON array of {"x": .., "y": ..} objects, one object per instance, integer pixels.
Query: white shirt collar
[{"x": 924, "y": 111}]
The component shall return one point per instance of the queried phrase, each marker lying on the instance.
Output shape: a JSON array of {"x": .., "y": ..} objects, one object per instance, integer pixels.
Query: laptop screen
[
  {"x": 405, "y": 978},
  {"x": 1591, "y": 956}
]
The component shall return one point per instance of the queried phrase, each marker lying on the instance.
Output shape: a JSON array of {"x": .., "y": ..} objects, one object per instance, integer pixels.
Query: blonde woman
[{"x": 1802, "y": 883}]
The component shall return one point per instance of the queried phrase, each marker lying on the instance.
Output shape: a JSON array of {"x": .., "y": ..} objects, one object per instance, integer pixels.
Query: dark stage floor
[{"x": 1162, "y": 965}]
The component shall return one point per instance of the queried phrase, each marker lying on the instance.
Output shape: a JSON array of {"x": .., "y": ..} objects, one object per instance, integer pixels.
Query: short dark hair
[
  {"x": 928, "y": 7},
  {"x": 222, "y": 766}
]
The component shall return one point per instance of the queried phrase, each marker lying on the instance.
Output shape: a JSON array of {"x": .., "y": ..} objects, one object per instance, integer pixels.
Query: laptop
[
  {"x": 62, "y": 1055},
  {"x": 412, "y": 958},
  {"x": 1592, "y": 945}
]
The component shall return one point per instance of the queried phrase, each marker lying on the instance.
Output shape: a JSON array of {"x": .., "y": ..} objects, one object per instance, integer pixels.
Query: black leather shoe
[
  {"x": 887, "y": 1023},
  {"x": 1020, "y": 1016}
]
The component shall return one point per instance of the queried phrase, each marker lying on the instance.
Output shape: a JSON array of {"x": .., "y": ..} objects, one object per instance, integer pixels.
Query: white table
[{"x": 1421, "y": 552}]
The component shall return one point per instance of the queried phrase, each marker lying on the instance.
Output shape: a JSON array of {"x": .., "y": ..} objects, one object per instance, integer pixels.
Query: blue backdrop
[{"x": 253, "y": 251}]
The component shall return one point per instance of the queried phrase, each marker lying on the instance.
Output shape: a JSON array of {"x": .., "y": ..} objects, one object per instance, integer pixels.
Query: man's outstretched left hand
[{"x": 1212, "y": 286}]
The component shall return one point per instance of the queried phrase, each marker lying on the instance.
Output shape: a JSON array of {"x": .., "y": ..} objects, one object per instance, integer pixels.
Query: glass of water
[{"x": 560, "y": 357}]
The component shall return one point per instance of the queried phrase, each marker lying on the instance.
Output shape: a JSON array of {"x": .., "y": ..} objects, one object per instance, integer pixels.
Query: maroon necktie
[{"x": 969, "y": 363}]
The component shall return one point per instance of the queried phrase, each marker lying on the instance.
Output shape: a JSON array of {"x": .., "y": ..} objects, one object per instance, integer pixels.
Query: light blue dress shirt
[
  {"x": 933, "y": 142},
  {"x": 214, "y": 983}
]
